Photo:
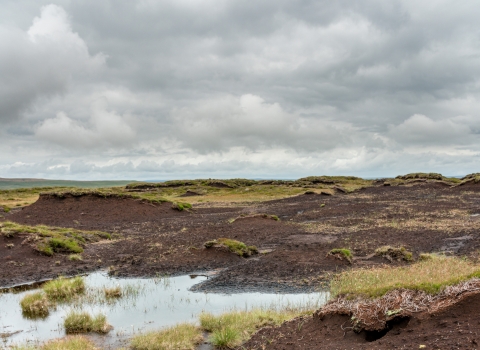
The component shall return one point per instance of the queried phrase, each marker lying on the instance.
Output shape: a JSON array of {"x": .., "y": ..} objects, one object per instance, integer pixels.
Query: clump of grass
[
  {"x": 83, "y": 322},
  {"x": 64, "y": 289},
  {"x": 237, "y": 247},
  {"x": 431, "y": 276},
  {"x": 114, "y": 292},
  {"x": 342, "y": 253},
  {"x": 49, "y": 240},
  {"x": 69, "y": 343},
  {"x": 233, "y": 328},
  {"x": 394, "y": 253},
  {"x": 181, "y": 206},
  {"x": 35, "y": 305},
  {"x": 183, "y": 336},
  {"x": 75, "y": 257},
  {"x": 6, "y": 209}
]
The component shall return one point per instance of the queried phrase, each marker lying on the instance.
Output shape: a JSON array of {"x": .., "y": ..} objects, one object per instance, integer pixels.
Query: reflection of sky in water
[{"x": 149, "y": 304}]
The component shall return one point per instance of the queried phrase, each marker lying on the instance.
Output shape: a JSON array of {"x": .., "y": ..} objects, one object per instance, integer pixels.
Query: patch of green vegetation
[
  {"x": 237, "y": 247},
  {"x": 394, "y": 253},
  {"x": 68, "y": 343},
  {"x": 431, "y": 276},
  {"x": 75, "y": 257},
  {"x": 183, "y": 336},
  {"x": 35, "y": 305},
  {"x": 181, "y": 206},
  {"x": 6, "y": 209},
  {"x": 343, "y": 253},
  {"x": 233, "y": 328},
  {"x": 63, "y": 289},
  {"x": 83, "y": 322},
  {"x": 49, "y": 240}
]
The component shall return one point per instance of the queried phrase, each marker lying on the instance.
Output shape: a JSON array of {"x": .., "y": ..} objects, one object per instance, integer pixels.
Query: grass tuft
[
  {"x": 394, "y": 253},
  {"x": 431, "y": 276},
  {"x": 68, "y": 343},
  {"x": 343, "y": 253},
  {"x": 114, "y": 292},
  {"x": 50, "y": 240},
  {"x": 75, "y": 257},
  {"x": 83, "y": 322},
  {"x": 63, "y": 289},
  {"x": 35, "y": 305},
  {"x": 183, "y": 336},
  {"x": 237, "y": 247},
  {"x": 181, "y": 206},
  {"x": 233, "y": 328}
]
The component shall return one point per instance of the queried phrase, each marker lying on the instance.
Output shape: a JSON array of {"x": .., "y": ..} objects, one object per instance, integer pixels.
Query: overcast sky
[{"x": 144, "y": 89}]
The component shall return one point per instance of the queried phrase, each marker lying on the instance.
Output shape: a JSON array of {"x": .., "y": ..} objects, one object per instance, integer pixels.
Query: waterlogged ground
[{"x": 147, "y": 304}]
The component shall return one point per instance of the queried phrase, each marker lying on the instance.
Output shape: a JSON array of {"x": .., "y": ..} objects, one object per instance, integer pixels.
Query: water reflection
[{"x": 146, "y": 304}]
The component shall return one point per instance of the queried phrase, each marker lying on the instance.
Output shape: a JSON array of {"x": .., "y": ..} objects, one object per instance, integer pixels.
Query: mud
[{"x": 154, "y": 239}]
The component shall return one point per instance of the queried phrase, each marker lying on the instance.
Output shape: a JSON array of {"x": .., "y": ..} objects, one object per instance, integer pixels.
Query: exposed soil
[
  {"x": 154, "y": 239},
  {"x": 455, "y": 327}
]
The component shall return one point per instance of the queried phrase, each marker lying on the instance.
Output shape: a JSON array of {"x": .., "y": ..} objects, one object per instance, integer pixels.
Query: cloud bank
[{"x": 176, "y": 89}]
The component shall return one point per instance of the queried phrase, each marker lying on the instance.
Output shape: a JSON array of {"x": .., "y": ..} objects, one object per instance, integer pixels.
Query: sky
[{"x": 176, "y": 89}]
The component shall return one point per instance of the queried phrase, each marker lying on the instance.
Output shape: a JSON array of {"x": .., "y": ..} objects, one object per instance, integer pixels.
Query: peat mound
[
  {"x": 448, "y": 321},
  {"x": 92, "y": 211}
]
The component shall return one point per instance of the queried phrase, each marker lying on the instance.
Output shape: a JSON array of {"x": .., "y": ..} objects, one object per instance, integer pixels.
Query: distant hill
[{"x": 8, "y": 184}]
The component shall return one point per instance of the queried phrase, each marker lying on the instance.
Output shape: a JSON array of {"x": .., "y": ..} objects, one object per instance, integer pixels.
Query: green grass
[
  {"x": 75, "y": 257},
  {"x": 343, "y": 253},
  {"x": 35, "y": 305},
  {"x": 83, "y": 322},
  {"x": 430, "y": 275},
  {"x": 233, "y": 328},
  {"x": 181, "y": 206},
  {"x": 63, "y": 289},
  {"x": 50, "y": 240},
  {"x": 68, "y": 343},
  {"x": 183, "y": 336},
  {"x": 237, "y": 247}
]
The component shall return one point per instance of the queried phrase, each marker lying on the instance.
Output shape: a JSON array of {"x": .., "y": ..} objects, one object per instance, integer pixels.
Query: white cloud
[{"x": 105, "y": 129}]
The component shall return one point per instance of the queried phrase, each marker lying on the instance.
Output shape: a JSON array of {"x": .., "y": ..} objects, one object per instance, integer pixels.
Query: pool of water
[{"x": 147, "y": 304}]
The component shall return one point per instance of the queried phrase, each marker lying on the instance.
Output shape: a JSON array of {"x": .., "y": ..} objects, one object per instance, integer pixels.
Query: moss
[
  {"x": 237, "y": 247},
  {"x": 6, "y": 209},
  {"x": 181, "y": 206},
  {"x": 343, "y": 253}
]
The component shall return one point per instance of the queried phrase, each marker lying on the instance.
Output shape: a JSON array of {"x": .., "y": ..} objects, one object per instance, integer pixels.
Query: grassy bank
[{"x": 430, "y": 275}]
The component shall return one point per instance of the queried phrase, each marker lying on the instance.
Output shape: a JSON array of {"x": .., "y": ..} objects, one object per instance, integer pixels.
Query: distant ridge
[{"x": 14, "y": 183}]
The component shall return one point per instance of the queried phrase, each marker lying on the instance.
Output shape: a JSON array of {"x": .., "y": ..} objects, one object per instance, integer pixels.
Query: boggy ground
[{"x": 154, "y": 239}]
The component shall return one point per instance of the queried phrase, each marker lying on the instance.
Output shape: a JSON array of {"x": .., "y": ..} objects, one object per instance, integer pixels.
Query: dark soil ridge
[{"x": 449, "y": 325}]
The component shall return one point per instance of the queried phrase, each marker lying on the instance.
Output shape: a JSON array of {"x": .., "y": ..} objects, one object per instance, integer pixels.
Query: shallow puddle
[{"x": 147, "y": 304}]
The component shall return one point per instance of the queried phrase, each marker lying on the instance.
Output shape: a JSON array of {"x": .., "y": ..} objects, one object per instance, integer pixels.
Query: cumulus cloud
[
  {"x": 249, "y": 121},
  {"x": 41, "y": 61},
  {"x": 104, "y": 129}
]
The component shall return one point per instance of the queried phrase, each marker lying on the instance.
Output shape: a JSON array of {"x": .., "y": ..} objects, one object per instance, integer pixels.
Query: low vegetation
[
  {"x": 237, "y": 247},
  {"x": 342, "y": 253},
  {"x": 50, "y": 240},
  {"x": 394, "y": 253},
  {"x": 83, "y": 322},
  {"x": 68, "y": 343},
  {"x": 114, "y": 292},
  {"x": 183, "y": 336},
  {"x": 181, "y": 206},
  {"x": 35, "y": 305},
  {"x": 264, "y": 216},
  {"x": 63, "y": 289},
  {"x": 233, "y": 328},
  {"x": 429, "y": 275}
]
